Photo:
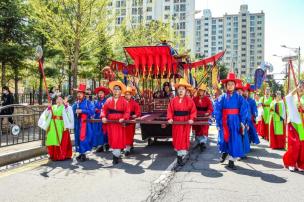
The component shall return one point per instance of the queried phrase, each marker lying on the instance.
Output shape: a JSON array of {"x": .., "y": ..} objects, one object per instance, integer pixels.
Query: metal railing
[
  {"x": 28, "y": 98},
  {"x": 21, "y": 125}
]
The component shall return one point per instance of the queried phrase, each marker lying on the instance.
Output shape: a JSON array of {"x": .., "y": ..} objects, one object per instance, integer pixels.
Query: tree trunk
[
  {"x": 76, "y": 46},
  {"x": 3, "y": 78},
  {"x": 70, "y": 77},
  {"x": 16, "y": 85}
]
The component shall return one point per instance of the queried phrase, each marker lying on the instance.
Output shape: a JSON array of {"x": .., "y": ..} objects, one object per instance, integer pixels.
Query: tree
[
  {"x": 70, "y": 25},
  {"x": 12, "y": 36}
]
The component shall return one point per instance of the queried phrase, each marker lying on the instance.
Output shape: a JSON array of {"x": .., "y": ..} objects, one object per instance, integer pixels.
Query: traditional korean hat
[
  {"x": 81, "y": 88},
  {"x": 239, "y": 85},
  {"x": 247, "y": 87},
  {"x": 102, "y": 88},
  {"x": 203, "y": 87},
  {"x": 182, "y": 82},
  {"x": 130, "y": 90},
  {"x": 117, "y": 83},
  {"x": 230, "y": 77}
]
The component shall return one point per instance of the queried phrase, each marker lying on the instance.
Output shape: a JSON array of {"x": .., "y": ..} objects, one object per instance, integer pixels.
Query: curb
[{"x": 22, "y": 155}]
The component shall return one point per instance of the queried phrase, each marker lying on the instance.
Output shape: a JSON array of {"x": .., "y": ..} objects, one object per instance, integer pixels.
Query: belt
[
  {"x": 57, "y": 118},
  {"x": 181, "y": 113},
  {"x": 266, "y": 105},
  {"x": 202, "y": 108},
  {"x": 225, "y": 114},
  {"x": 113, "y": 111}
]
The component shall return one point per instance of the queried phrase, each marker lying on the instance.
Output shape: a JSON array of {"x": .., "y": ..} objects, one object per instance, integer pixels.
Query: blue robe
[
  {"x": 234, "y": 147},
  {"x": 87, "y": 108},
  {"x": 253, "y": 112},
  {"x": 99, "y": 137}
]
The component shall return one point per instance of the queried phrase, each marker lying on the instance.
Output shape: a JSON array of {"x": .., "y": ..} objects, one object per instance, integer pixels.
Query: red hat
[
  {"x": 239, "y": 85},
  {"x": 102, "y": 88},
  {"x": 231, "y": 77},
  {"x": 81, "y": 88},
  {"x": 247, "y": 87}
]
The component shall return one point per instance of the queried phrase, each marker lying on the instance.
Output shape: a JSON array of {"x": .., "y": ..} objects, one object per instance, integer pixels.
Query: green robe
[
  {"x": 277, "y": 118},
  {"x": 299, "y": 127},
  {"x": 266, "y": 113},
  {"x": 51, "y": 138}
]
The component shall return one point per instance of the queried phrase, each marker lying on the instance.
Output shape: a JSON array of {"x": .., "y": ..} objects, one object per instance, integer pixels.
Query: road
[{"x": 148, "y": 176}]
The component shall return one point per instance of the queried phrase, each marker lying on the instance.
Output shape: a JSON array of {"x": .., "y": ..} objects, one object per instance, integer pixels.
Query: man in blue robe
[
  {"x": 230, "y": 114},
  {"x": 83, "y": 110}
]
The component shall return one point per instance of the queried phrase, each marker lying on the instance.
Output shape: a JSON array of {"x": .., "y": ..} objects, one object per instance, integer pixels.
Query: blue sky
[{"x": 284, "y": 23}]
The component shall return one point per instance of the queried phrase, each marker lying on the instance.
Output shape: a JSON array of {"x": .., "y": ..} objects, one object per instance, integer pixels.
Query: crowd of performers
[{"x": 240, "y": 116}]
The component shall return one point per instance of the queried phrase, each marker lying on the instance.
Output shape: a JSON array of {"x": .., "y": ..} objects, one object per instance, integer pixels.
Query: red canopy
[
  {"x": 147, "y": 57},
  {"x": 205, "y": 61},
  {"x": 155, "y": 60}
]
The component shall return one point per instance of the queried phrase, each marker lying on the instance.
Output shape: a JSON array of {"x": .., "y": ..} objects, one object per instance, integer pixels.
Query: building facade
[
  {"x": 180, "y": 13},
  {"x": 242, "y": 35}
]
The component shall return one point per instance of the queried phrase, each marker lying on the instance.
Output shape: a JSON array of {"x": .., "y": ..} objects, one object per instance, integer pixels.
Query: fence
[
  {"x": 28, "y": 98},
  {"x": 21, "y": 126}
]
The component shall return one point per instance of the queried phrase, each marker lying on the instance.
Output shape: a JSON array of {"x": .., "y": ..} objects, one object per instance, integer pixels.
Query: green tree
[{"x": 71, "y": 26}]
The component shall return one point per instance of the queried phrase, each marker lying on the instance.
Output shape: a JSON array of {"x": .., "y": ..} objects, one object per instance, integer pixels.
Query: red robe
[
  {"x": 203, "y": 106},
  {"x": 294, "y": 155},
  {"x": 130, "y": 128},
  {"x": 181, "y": 111},
  {"x": 276, "y": 141},
  {"x": 116, "y": 131}
]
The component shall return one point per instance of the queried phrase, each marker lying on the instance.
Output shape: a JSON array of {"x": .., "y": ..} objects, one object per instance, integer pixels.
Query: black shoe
[
  {"x": 81, "y": 158},
  {"x": 180, "y": 161},
  {"x": 78, "y": 157},
  {"x": 107, "y": 147},
  {"x": 99, "y": 149},
  {"x": 202, "y": 146},
  {"x": 115, "y": 160},
  {"x": 231, "y": 165},
  {"x": 127, "y": 153},
  {"x": 224, "y": 156}
]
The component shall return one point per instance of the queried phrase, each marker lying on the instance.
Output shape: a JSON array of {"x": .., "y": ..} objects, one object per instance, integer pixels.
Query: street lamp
[{"x": 298, "y": 51}]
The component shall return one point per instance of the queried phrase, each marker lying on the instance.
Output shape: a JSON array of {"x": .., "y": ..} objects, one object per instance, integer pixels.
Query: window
[
  {"x": 182, "y": 16},
  {"x": 206, "y": 46},
  {"x": 176, "y": 8},
  {"x": 259, "y": 28},
  {"x": 213, "y": 38},
  {"x": 206, "y": 23},
  {"x": 206, "y": 40},
  {"x": 182, "y": 25},
  {"x": 205, "y": 35},
  {"x": 252, "y": 17},
  {"x": 213, "y": 44},
  {"x": 251, "y": 29},
  {"x": 182, "y": 34},
  {"x": 213, "y": 26},
  {"x": 149, "y": 17},
  {"x": 243, "y": 20},
  {"x": 259, "y": 22},
  {"x": 252, "y": 40},
  {"x": 182, "y": 7},
  {"x": 213, "y": 32},
  {"x": 235, "y": 18},
  {"x": 149, "y": 9},
  {"x": 167, "y": 8}
]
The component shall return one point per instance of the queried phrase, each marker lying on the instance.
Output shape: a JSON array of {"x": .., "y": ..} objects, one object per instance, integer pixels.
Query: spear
[{"x": 40, "y": 59}]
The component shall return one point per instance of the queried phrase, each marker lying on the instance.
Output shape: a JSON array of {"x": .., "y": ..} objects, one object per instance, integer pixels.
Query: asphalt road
[{"x": 147, "y": 176}]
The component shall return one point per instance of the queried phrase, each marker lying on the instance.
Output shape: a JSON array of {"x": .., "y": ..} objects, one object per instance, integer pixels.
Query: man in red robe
[
  {"x": 134, "y": 113},
  {"x": 204, "y": 108},
  {"x": 181, "y": 108},
  {"x": 116, "y": 108}
]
